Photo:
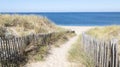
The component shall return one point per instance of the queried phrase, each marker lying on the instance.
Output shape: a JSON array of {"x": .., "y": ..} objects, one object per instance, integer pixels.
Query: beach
[{"x": 78, "y": 29}]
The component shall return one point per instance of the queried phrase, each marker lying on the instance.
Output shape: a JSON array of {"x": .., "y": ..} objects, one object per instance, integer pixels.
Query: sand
[
  {"x": 79, "y": 29},
  {"x": 58, "y": 56}
]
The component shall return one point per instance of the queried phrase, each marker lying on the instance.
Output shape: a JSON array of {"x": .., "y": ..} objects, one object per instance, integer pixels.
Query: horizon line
[{"x": 61, "y": 12}]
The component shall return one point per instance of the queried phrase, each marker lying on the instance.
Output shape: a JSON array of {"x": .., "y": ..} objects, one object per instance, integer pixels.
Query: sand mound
[{"x": 21, "y": 25}]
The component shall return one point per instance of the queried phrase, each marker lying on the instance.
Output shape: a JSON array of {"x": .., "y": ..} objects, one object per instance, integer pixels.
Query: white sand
[{"x": 58, "y": 56}]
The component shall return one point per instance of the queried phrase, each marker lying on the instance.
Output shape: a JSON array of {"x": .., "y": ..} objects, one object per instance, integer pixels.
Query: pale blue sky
[{"x": 59, "y": 5}]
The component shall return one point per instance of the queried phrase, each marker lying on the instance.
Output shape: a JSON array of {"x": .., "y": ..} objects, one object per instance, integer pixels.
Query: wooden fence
[
  {"x": 102, "y": 53},
  {"x": 12, "y": 49}
]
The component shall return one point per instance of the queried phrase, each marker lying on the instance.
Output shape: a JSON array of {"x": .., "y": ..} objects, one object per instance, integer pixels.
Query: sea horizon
[{"x": 77, "y": 18}]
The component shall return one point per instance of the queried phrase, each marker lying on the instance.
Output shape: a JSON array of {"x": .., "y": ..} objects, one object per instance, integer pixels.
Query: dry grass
[
  {"x": 21, "y": 25},
  {"x": 107, "y": 32}
]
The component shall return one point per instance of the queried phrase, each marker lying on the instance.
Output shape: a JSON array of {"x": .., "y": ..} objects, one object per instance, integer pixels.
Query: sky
[{"x": 59, "y": 5}]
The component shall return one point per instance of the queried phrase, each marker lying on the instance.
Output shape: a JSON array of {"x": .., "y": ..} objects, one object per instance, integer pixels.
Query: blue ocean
[{"x": 81, "y": 18}]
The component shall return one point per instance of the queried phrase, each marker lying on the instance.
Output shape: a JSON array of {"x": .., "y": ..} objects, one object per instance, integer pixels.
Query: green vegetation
[
  {"x": 40, "y": 55},
  {"x": 77, "y": 55}
]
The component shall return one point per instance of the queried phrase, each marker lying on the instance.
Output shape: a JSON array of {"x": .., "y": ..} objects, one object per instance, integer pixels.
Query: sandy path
[{"x": 58, "y": 56}]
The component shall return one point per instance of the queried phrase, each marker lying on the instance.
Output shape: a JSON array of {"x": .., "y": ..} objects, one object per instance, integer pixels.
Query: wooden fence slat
[{"x": 2, "y": 53}]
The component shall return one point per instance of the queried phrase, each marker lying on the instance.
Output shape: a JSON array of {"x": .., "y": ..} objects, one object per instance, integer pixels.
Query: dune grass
[
  {"x": 106, "y": 32},
  {"x": 77, "y": 55},
  {"x": 22, "y": 25}
]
